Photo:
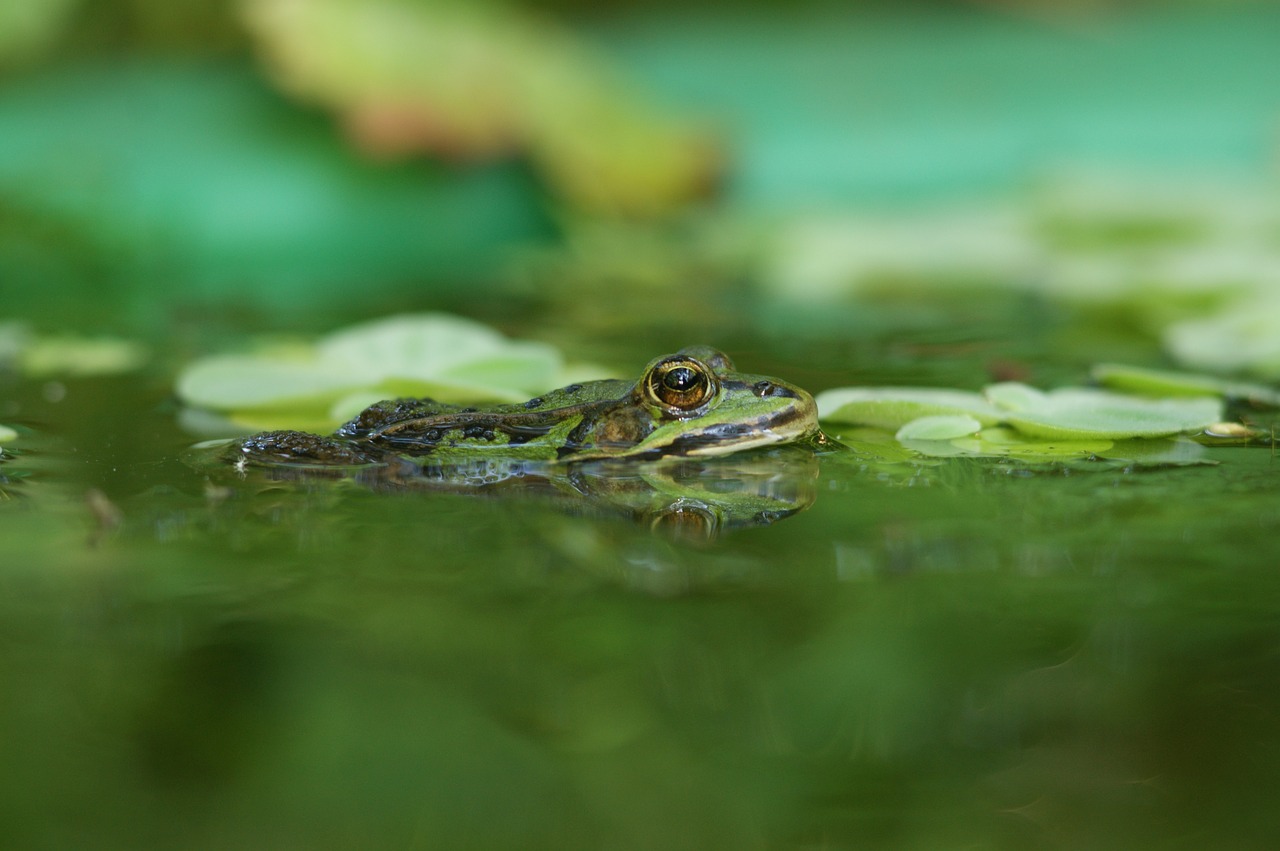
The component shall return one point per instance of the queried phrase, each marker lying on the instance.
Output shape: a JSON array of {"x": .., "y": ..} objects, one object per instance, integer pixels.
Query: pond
[
  {"x": 1017, "y": 620},
  {"x": 925, "y": 653}
]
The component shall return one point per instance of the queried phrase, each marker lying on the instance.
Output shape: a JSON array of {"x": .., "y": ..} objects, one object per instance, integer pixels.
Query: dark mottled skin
[
  {"x": 417, "y": 426},
  {"x": 299, "y": 446},
  {"x": 599, "y": 419}
]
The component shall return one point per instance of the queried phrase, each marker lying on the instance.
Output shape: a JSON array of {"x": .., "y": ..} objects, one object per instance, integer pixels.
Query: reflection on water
[
  {"x": 965, "y": 653},
  {"x": 693, "y": 499}
]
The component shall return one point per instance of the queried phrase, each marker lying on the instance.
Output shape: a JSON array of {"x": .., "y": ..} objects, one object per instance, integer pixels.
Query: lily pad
[
  {"x": 1004, "y": 442},
  {"x": 81, "y": 356},
  {"x": 1161, "y": 382},
  {"x": 1013, "y": 396},
  {"x": 894, "y": 407},
  {"x": 1244, "y": 338},
  {"x": 40, "y": 356},
  {"x": 445, "y": 357},
  {"x": 1068, "y": 422},
  {"x": 458, "y": 354},
  {"x": 1080, "y": 413},
  {"x": 236, "y": 382},
  {"x": 944, "y": 427}
]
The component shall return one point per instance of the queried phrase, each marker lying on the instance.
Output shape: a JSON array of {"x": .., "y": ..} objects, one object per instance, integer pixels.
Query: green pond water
[{"x": 962, "y": 653}]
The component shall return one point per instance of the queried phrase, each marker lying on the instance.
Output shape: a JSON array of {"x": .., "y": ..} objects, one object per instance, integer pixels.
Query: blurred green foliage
[{"x": 148, "y": 169}]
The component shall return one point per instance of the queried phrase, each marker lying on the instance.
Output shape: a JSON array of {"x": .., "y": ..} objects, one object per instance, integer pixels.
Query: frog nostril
[{"x": 765, "y": 389}]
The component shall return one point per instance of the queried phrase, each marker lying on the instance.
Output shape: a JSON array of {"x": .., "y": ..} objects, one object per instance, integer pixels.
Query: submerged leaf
[{"x": 1003, "y": 442}]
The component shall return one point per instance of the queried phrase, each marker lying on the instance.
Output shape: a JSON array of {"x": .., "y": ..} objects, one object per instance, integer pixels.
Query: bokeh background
[
  {"x": 935, "y": 653},
  {"x": 303, "y": 160}
]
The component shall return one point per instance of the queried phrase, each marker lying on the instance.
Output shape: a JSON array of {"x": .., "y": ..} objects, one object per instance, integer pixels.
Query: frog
[{"x": 690, "y": 404}]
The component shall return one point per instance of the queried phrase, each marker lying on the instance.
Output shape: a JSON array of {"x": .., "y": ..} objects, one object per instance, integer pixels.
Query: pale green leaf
[
  {"x": 80, "y": 356},
  {"x": 1160, "y": 382},
  {"x": 894, "y": 407},
  {"x": 235, "y": 382},
  {"x": 28, "y": 27},
  {"x": 524, "y": 368},
  {"x": 7, "y": 435},
  {"x": 1077, "y": 413},
  {"x": 431, "y": 347},
  {"x": 1014, "y": 396},
  {"x": 1245, "y": 338},
  {"x": 409, "y": 345},
  {"x": 445, "y": 357},
  {"x": 939, "y": 427}
]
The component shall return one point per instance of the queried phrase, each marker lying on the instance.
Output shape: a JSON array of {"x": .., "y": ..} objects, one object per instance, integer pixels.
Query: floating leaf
[
  {"x": 942, "y": 427},
  {"x": 66, "y": 354},
  {"x": 445, "y": 350},
  {"x": 1013, "y": 445},
  {"x": 894, "y": 407},
  {"x": 1003, "y": 442},
  {"x": 237, "y": 382},
  {"x": 445, "y": 357},
  {"x": 1062, "y": 423},
  {"x": 81, "y": 356},
  {"x": 1161, "y": 382},
  {"x": 1244, "y": 338},
  {"x": 1079, "y": 413},
  {"x": 1014, "y": 396}
]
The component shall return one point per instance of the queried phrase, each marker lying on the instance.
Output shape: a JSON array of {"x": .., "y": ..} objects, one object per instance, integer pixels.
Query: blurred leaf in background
[
  {"x": 320, "y": 384},
  {"x": 143, "y": 184},
  {"x": 147, "y": 169},
  {"x": 482, "y": 80},
  {"x": 29, "y": 27}
]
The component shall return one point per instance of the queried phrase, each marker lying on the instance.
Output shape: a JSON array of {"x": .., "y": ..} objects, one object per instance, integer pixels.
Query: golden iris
[{"x": 681, "y": 385}]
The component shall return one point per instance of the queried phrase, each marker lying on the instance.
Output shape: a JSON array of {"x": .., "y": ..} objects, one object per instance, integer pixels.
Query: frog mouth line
[{"x": 724, "y": 438}]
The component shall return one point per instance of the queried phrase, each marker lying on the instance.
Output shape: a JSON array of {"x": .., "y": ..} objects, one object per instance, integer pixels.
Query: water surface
[{"x": 963, "y": 653}]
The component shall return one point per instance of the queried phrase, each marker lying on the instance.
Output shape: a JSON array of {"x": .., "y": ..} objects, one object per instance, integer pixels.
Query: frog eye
[{"x": 680, "y": 385}]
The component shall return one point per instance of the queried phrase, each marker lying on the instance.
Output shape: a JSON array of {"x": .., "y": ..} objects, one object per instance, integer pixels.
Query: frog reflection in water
[
  {"x": 687, "y": 407},
  {"x": 690, "y": 404}
]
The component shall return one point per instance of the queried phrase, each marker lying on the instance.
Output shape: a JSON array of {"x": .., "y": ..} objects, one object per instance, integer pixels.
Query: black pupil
[{"x": 680, "y": 379}]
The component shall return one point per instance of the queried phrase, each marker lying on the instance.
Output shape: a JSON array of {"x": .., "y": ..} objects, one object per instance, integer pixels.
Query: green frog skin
[{"x": 689, "y": 404}]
